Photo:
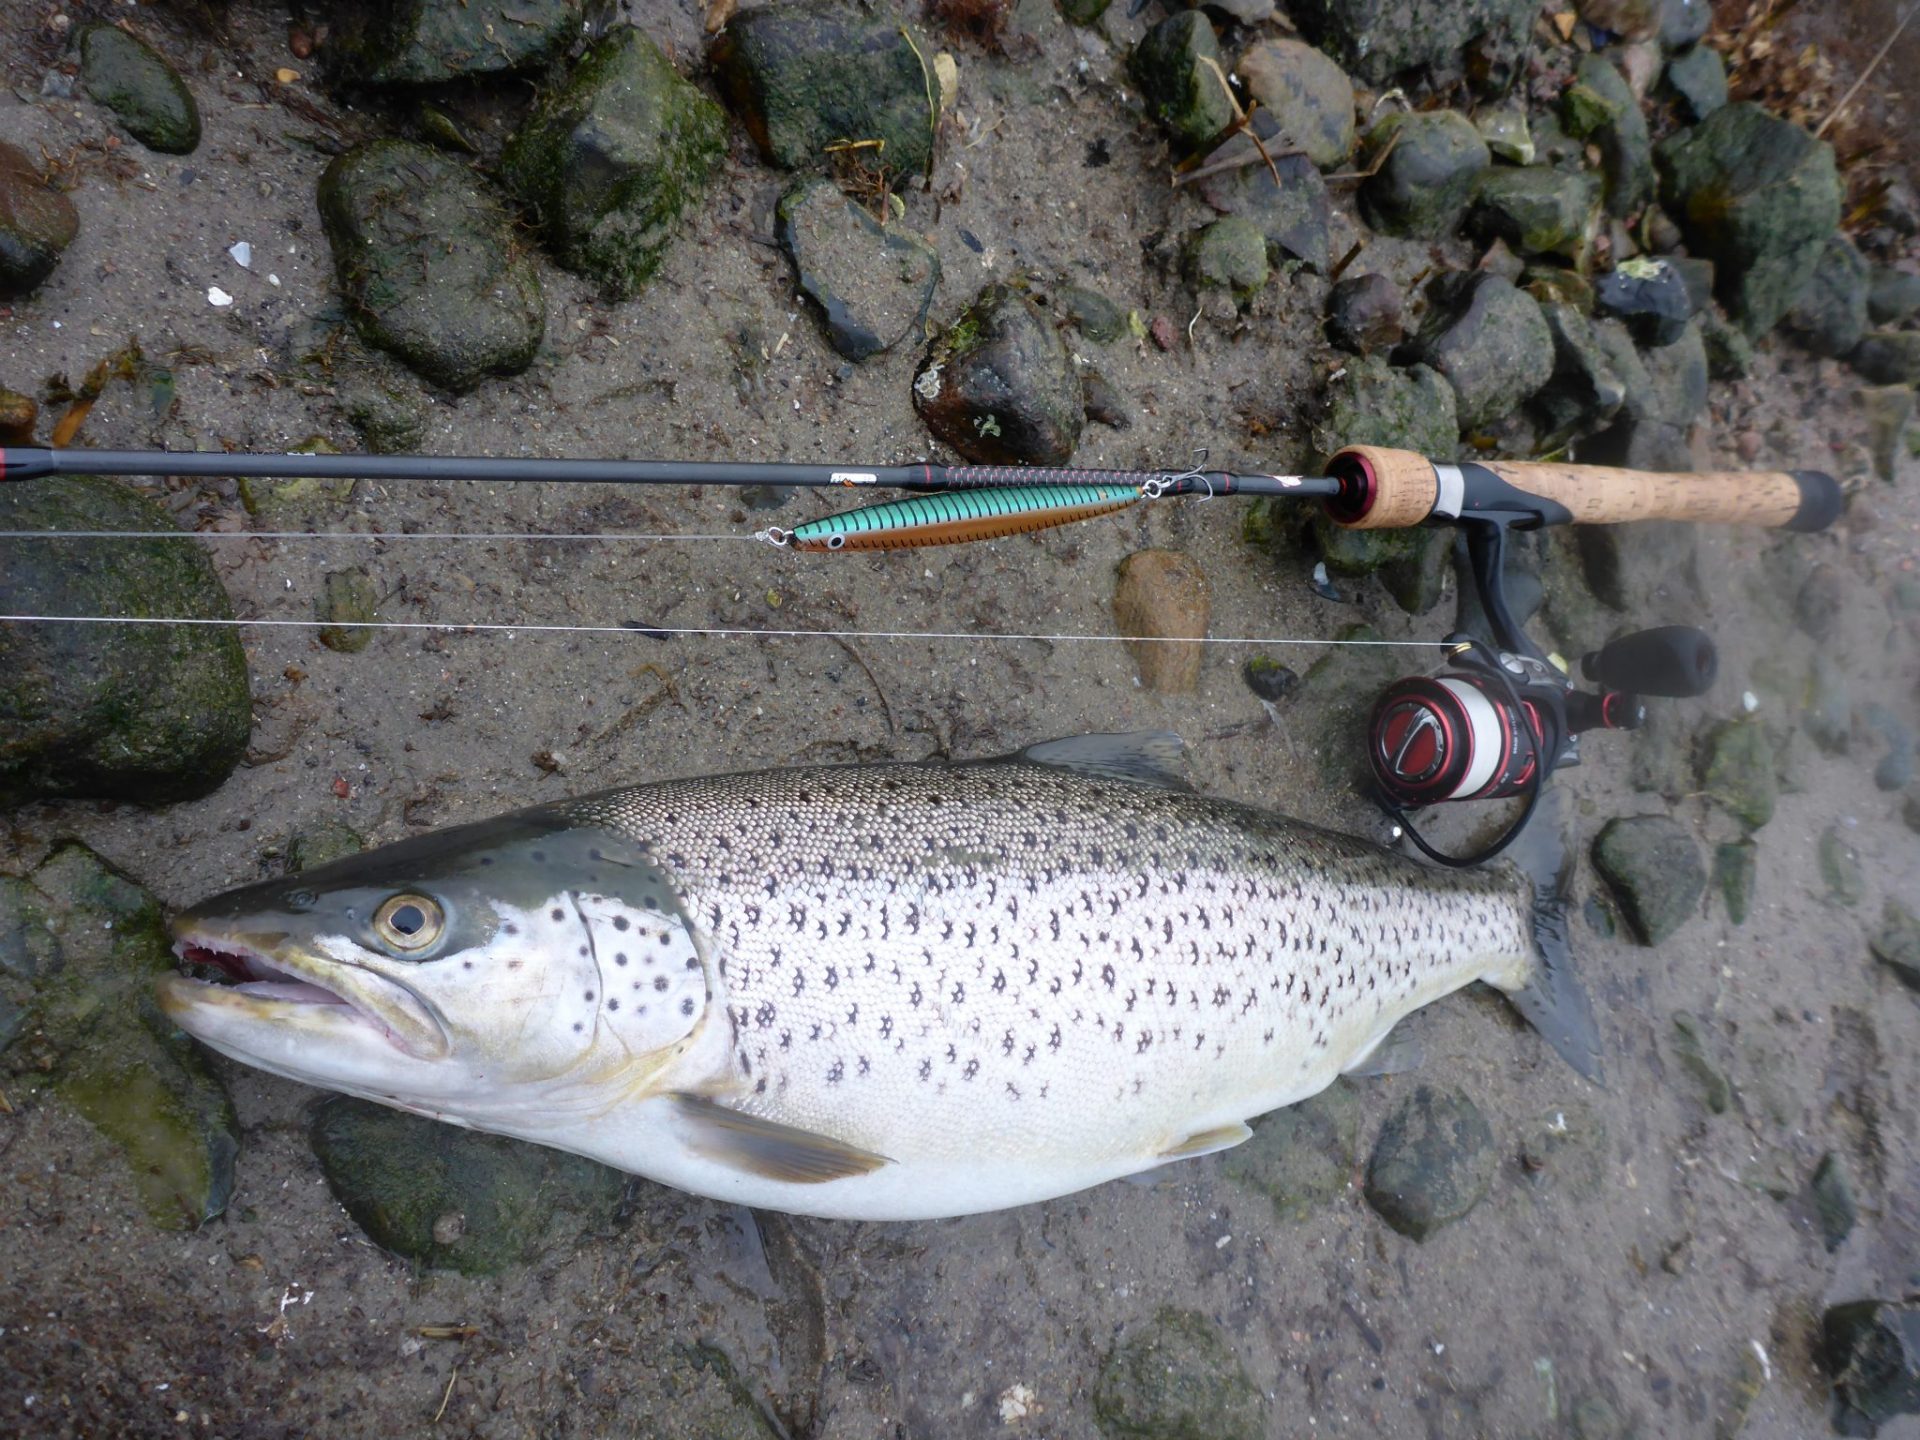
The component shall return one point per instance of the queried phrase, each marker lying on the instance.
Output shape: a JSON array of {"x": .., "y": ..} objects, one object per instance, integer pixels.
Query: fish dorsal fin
[
  {"x": 767, "y": 1148},
  {"x": 1208, "y": 1142},
  {"x": 1144, "y": 757}
]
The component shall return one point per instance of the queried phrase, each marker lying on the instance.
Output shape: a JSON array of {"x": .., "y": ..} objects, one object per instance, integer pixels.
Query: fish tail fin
[{"x": 1548, "y": 994}]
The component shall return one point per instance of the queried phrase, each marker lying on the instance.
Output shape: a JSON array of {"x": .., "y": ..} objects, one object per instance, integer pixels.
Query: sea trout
[{"x": 876, "y": 992}]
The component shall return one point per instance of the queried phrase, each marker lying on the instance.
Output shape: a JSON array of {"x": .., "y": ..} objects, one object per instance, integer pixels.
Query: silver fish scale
[{"x": 1000, "y": 951}]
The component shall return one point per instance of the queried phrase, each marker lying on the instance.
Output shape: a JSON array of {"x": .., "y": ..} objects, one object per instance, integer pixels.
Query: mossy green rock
[
  {"x": 37, "y": 223},
  {"x": 1697, "y": 82},
  {"x": 1584, "y": 392},
  {"x": 1379, "y": 39},
  {"x": 1759, "y": 197},
  {"x": 1083, "y": 12},
  {"x": 347, "y": 602},
  {"x": 143, "y": 713},
  {"x": 999, "y": 386},
  {"x": 454, "y": 1199},
  {"x": 1537, "y": 210},
  {"x": 1306, "y": 92},
  {"x": 1231, "y": 255},
  {"x": 1840, "y": 869},
  {"x": 1376, "y": 403},
  {"x": 1302, "y": 1157},
  {"x": 1178, "y": 68},
  {"x": 429, "y": 265},
  {"x": 426, "y": 42},
  {"x": 1432, "y": 1163},
  {"x": 1834, "y": 1209},
  {"x": 1830, "y": 317},
  {"x": 1175, "y": 1378},
  {"x": 1734, "y": 871},
  {"x": 1871, "y": 1349},
  {"x": 1653, "y": 866},
  {"x": 146, "y": 95},
  {"x": 1489, "y": 340},
  {"x": 80, "y": 945},
  {"x": 1600, "y": 107},
  {"x": 1425, "y": 183},
  {"x": 611, "y": 160},
  {"x": 871, "y": 282},
  {"x": 1737, "y": 771},
  {"x": 1896, "y": 944},
  {"x": 808, "y": 74},
  {"x": 1690, "y": 1045},
  {"x": 1888, "y": 357}
]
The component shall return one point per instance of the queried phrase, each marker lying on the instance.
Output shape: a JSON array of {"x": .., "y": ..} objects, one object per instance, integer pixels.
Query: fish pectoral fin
[
  {"x": 767, "y": 1148},
  {"x": 1394, "y": 1053},
  {"x": 1144, "y": 757},
  {"x": 1206, "y": 1142}
]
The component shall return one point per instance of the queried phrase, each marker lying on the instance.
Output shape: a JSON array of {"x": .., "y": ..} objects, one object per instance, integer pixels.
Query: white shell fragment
[
  {"x": 242, "y": 254},
  {"x": 218, "y": 297}
]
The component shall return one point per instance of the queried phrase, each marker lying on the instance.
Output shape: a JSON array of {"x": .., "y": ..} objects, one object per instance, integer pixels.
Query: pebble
[
  {"x": 1366, "y": 313},
  {"x": 1163, "y": 601},
  {"x": 1871, "y": 1351},
  {"x": 1175, "y": 1377},
  {"x": 1433, "y": 1162},
  {"x": 1652, "y": 864},
  {"x": 37, "y": 223}
]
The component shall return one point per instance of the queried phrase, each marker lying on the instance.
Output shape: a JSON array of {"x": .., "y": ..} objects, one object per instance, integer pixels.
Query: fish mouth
[{"x": 263, "y": 980}]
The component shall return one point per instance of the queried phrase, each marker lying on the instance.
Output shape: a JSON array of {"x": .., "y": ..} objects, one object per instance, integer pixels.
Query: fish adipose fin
[
  {"x": 1144, "y": 757},
  {"x": 767, "y": 1149},
  {"x": 1206, "y": 1142},
  {"x": 1551, "y": 1000}
]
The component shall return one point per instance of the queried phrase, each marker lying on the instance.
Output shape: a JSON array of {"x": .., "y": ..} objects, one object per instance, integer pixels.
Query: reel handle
[
  {"x": 1384, "y": 488},
  {"x": 1673, "y": 660}
]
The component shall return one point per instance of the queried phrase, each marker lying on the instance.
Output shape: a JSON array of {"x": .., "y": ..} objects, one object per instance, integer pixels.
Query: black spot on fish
[
  {"x": 620, "y": 957},
  {"x": 686, "y": 1007},
  {"x": 589, "y": 997},
  {"x": 557, "y": 914},
  {"x": 660, "y": 982},
  {"x": 509, "y": 928},
  {"x": 539, "y": 857},
  {"x": 613, "y": 1004},
  {"x": 620, "y": 922}
]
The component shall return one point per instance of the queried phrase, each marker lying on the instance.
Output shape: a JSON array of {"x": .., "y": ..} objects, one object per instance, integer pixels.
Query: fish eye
[{"x": 409, "y": 922}]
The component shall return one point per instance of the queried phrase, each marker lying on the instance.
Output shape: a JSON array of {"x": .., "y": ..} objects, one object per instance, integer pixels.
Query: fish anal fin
[
  {"x": 1207, "y": 1142},
  {"x": 1143, "y": 757},
  {"x": 1394, "y": 1053},
  {"x": 767, "y": 1148}
]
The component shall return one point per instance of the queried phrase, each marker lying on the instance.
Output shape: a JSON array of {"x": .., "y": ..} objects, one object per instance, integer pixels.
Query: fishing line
[
  {"x": 361, "y": 535},
  {"x": 656, "y": 631}
]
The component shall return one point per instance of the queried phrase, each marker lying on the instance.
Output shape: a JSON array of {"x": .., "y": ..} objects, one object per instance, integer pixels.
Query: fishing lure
[{"x": 956, "y": 517}]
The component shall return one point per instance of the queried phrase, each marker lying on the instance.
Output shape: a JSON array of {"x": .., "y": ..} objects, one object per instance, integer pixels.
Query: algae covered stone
[
  {"x": 429, "y": 265},
  {"x": 80, "y": 945},
  {"x": 427, "y": 42},
  {"x": 810, "y": 74},
  {"x": 1432, "y": 1163},
  {"x": 1182, "y": 78},
  {"x": 1537, "y": 209},
  {"x": 1489, "y": 340},
  {"x": 1230, "y": 255},
  {"x": 871, "y": 282},
  {"x": 611, "y": 160},
  {"x": 1375, "y": 403},
  {"x": 37, "y": 223},
  {"x": 1601, "y": 108},
  {"x": 145, "y": 713},
  {"x": 999, "y": 386},
  {"x": 1427, "y": 179},
  {"x": 1175, "y": 1378},
  {"x": 1378, "y": 39},
  {"x": 145, "y": 93},
  {"x": 1654, "y": 868}
]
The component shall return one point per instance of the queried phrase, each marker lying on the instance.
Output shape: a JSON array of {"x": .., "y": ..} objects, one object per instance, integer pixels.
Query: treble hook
[{"x": 1162, "y": 485}]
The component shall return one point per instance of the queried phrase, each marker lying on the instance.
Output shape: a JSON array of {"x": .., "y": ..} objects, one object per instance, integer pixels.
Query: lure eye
[{"x": 409, "y": 922}]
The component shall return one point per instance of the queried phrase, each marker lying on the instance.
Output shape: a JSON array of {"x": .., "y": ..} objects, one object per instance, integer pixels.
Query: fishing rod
[{"x": 1494, "y": 724}]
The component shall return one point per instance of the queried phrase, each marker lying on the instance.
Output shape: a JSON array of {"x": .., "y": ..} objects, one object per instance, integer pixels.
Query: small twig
[
  {"x": 1378, "y": 160},
  {"x": 1872, "y": 65},
  {"x": 872, "y": 679},
  {"x": 446, "y": 1397}
]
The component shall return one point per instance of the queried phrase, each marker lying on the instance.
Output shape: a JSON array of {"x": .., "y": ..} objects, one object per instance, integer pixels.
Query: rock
[
  {"x": 1095, "y": 316},
  {"x": 1666, "y": 391},
  {"x": 1828, "y": 716},
  {"x": 37, "y": 223},
  {"x": 1182, "y": 78},
  {"x": 1600, "y": 108},
  {"x": 1652, "y": 864},
  {"x": 1490, "y": 342},
  {"x": 1083, "y": 12},
  {"x": 1104, "y": 403},
  {"x": 1697, "y": 81},
  {"x": 1269, "y": 680},
  {"x": 1888, "y": 409},
  {"x": 1507, "y": 134},
  {"x": 1684, "y": 22},
  {"x": 1649, "y": 296},
  {"x": 347, "y": 602},
  {"x": 1365, "y": 313},
  {"x": 807, "y": 74},
  {"x": 1894, "y": 772},
  {"x": 1537, "y": 210},
  {"x": 1163, "y": 601},
  {"x": 145, "y": 93},
  {"x": 1893, "y": 296},
  {"x": 1427, "y": 180},
  {"x": 1230, "y": 255},
  {"x": 1432, "y": 1163},
  {"x": 1728, "y": 350},
  {"x": 321, "y": 843},
  {"x": 1293, "y": 213},
  {"x": 611, "y": 160},
  {"x": 1302, "y": 1157},
  {"x": 1689, "y": 1045},
  {"x": 426, "y": 42},
  {"x": 1583, "y": 393},
  {"x": 1896, "y": 944},
  {"x": 1759, "y": 197},
  {"x": 1551, "y": 285},
  {"x": 1830, "y": 315},
  {"x": 1307, "y": 93},
  {"x": 1840, "y": 869},
  {"x": 1888, "y": 357},
  {"x": 298, "y": 504},
  {"x": 18, "y": 415},
  {"x": 1379, "y": 39},
  {"x": 80, "y": 945},
  {"x": 1737, "y": 771},
  {"x": 1821, "y": 599},
  {"x": 872, "y": 282},
  {"x": 140, "y": 713},
  {"x": 1376, "y": 403},
  {"x": 1566, "y": 1148},
  {"x": 390, "y": 417},
  {"x": 429, "y": 264},
  {"x": 1733, "y": 874},
  {"x": 999, "y": 387},
  {"x": 1176, "y": 1378},
  {"x": 1871, "y": 1349},
  {"x": 453, "y": 1199},
  {"x": 1834, "y": 1209}
]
